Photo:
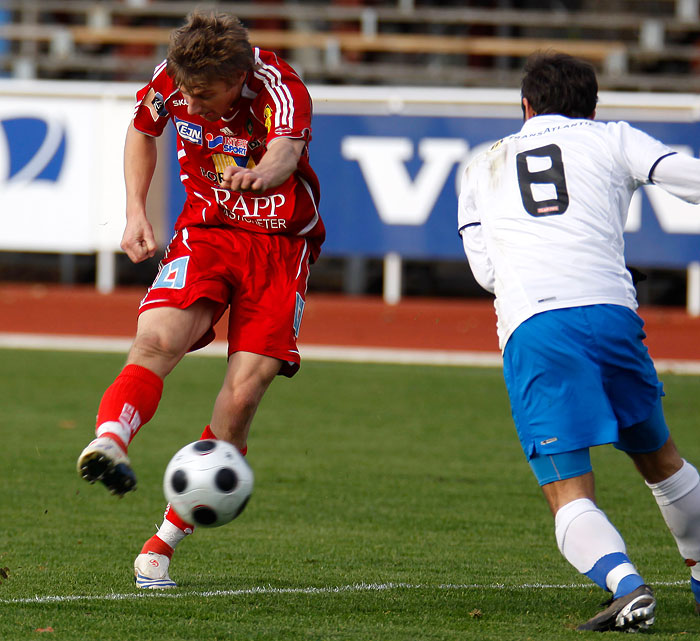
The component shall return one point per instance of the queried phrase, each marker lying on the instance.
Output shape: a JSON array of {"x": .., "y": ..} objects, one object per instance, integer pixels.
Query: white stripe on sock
[
  {"x": 612, "y": 580},
  {"x": 115, "y": 427}
]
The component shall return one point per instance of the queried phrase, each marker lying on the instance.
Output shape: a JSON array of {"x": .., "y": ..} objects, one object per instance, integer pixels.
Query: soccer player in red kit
[{"x": 246, "y": 236}]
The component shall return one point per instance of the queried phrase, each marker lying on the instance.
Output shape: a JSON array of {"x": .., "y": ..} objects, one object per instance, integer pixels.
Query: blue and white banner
[
  {"x": 61, "y": 167},
  {"x": 390, "y": 184},
  {"x": 390, "y": 177},
  {"x": 389, "y": 161}
]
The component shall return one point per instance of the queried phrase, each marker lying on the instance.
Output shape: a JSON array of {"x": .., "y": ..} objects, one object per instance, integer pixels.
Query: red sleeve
[
  {"x": 285, "y": 100},
  {"x": 151, "y": 113}
]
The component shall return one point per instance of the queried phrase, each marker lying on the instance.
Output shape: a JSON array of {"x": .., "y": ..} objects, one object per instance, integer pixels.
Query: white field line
[
  {"x": 308, "y": 352},
  {"x": 264, "y": 590},
  {"x": 64, "y": 343},
  {"x": 218, "y": 348}
]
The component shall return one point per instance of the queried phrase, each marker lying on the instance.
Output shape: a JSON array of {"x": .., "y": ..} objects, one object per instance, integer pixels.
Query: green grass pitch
[{"x": 391, "y": 503}]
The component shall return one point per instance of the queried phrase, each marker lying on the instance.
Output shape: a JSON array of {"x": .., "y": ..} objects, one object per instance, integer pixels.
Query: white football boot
[
  {"x": 103, "y": 460},
  {"x": 151, "y": 572}
]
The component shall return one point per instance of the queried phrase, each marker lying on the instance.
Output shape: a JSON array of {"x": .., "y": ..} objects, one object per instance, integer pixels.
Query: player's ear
[{"x": 528, "y": 111}]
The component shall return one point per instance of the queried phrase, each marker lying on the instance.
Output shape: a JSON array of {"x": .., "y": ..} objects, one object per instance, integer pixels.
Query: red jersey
[{"x": 274, "y": 103}]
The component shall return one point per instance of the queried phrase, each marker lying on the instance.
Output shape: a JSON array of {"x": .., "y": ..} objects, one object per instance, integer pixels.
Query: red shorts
[{"x": 261, "y": 277}]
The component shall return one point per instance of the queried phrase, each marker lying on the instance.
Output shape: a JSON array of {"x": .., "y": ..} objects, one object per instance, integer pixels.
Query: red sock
[
  {"x": 172, "y": 516},
  {"x": 173, "y": 530},
  {"x": 180, "y": 523},
  {"x": 207, "y": 433},
  {"x": 131, "y": 401},
  {"x": 157, "y": 545}
]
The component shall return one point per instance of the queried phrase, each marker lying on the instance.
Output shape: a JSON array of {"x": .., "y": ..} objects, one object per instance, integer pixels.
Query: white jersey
[{"x": 542, "y": 213}]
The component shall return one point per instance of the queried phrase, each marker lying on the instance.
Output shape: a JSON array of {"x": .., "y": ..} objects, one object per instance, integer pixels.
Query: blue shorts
[{"x": 579, "y": 377}]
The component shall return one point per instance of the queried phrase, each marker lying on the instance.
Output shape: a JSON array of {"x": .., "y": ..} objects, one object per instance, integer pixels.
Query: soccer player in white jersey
[{"x": 541, "y": 216}]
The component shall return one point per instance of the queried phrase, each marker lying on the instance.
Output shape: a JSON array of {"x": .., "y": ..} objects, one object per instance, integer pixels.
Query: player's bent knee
[
  {"x": 156, "y": 346},
  {"x": 241, "y": 400}
]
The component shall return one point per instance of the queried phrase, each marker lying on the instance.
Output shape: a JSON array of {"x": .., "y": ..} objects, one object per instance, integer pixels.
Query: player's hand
[
  {"x": 244, "y": 179},
  {"x": 138, "y": 240}
]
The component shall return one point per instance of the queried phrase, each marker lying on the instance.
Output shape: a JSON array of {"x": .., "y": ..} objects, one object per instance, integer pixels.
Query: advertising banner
[
  {"x": 61, "y": 176},
  {"x": 390, "y": 160},
  {"x": 390, "y": 184}
]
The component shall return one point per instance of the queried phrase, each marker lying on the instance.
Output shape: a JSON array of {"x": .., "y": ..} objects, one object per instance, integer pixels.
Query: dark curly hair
[{"x": 557, "y": 83}]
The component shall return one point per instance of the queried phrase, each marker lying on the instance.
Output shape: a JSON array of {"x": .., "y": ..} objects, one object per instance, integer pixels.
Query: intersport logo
[{"x": 31, "y": 149}]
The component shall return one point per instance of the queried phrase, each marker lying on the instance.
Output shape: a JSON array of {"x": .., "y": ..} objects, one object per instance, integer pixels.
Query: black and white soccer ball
[{"x": 208, "y": 482}]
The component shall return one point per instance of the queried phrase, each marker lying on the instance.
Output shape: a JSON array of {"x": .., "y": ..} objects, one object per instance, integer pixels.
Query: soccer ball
[{"x": 208, "y": 482}]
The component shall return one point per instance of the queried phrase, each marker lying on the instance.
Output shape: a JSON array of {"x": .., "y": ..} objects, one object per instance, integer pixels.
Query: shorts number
[
  {"x": 553, "y": 175},
  {"x": 172, "y": 275}
]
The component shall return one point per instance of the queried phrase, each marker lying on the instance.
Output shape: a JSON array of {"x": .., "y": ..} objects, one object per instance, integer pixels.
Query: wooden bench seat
[{"x": 595, "y": 50}]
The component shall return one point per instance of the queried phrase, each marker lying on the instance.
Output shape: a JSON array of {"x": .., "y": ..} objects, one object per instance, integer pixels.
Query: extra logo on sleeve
[{"x": 156, "y": 105}]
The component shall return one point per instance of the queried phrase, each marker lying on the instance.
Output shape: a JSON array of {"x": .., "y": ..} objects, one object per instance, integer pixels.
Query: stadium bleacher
[
  {"x": 636, "y": 45},
  {"x": 648, "y": 46}
]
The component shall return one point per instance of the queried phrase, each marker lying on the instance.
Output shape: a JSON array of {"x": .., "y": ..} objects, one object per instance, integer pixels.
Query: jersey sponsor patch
[
  {"x": 243, "y": 205},
  {"x": 227, "y": 144},
  {"x": 189, "y": 131},
  {"x": 221, "y": 161}
]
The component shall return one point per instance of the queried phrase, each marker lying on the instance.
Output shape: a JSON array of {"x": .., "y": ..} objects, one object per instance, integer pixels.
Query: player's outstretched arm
[
  {"x": 679, "y": 174},
  {"x": 278, "y": 164},
  {"x": 140, "y": 157}
]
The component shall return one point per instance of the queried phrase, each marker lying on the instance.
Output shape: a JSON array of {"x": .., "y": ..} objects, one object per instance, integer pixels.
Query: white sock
[
  {"x": 115, "y": 427},
  {"x": 593, "y": 546},
  {"x": 678, "y": 498},
  {"x": 170, "y": 533}
]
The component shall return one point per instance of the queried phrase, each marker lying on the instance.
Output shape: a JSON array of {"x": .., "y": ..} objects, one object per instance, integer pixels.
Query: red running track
[{"x": 415, "y": 323}]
